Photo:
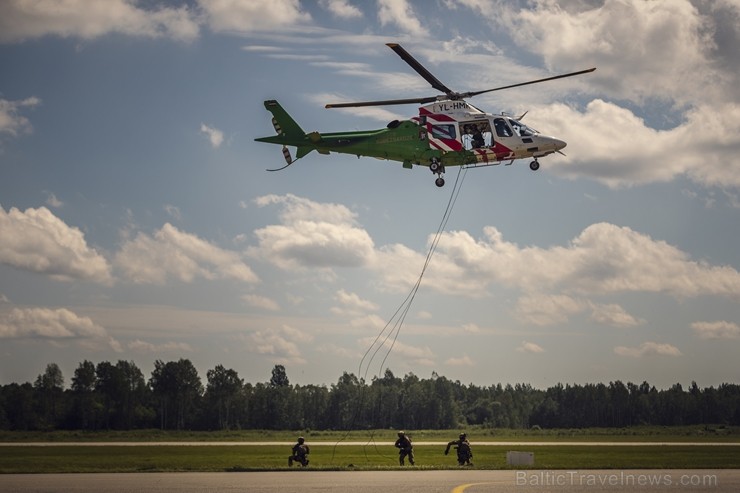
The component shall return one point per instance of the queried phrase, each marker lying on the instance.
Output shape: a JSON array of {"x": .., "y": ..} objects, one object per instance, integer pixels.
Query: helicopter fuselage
[{"x": 446, "y": 133}]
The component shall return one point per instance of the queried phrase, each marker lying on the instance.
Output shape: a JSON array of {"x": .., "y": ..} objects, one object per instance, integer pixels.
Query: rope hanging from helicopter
[{"x": 388, "y": 335}]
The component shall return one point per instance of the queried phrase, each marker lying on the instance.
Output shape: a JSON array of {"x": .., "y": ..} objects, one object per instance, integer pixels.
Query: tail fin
[
  {"x": 283, "y": 122},
  {"x": 289, "y": 133}
]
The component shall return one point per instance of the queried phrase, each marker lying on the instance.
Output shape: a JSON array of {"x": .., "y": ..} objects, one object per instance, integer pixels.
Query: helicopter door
[{"x": 443, "y": 136}]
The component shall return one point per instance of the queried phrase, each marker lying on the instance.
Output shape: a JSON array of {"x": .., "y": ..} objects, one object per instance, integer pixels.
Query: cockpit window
[
  {"x": 521, "y": 129},
  {"x": 502, "y": 129}
]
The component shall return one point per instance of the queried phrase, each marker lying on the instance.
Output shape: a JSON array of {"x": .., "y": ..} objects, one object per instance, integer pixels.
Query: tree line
[{"x": 118, "y": 396}]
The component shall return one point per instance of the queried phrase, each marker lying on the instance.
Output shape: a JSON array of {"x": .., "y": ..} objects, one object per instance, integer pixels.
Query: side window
[
  {"x": 444, "y": 132},
  {"x": 502, "y": 129}
]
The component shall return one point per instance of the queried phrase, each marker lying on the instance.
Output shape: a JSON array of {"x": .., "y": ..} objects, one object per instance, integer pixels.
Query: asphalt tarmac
[{"x": 455, "y": 481}]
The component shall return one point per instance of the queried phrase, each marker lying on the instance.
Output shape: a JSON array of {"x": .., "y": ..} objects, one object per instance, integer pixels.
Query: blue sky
[{"x": 137, "y": 220}]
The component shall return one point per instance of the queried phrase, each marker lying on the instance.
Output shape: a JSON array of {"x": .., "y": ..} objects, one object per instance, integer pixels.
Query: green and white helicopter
[{"x": 447, "y": 132}]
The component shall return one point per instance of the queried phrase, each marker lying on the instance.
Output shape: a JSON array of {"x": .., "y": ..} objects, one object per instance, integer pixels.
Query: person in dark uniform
[
  {"x": 464, "y": 453},
  {"x": 403, "y": 444},
  {"x": 300, "y": 453}
]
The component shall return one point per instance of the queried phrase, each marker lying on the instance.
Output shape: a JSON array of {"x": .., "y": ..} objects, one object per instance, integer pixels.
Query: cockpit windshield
[{"x": 521, "y": 129}]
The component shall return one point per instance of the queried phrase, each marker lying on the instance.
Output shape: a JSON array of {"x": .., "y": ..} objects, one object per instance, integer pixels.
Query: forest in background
[{"x": 118, "y": 396}]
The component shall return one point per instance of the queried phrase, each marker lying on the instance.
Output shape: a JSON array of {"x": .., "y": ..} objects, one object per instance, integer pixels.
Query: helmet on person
[
  {"x": 463, "y": 436},
  {"x": 301, "y": 440},
  {"x": 400, "y": 433}
]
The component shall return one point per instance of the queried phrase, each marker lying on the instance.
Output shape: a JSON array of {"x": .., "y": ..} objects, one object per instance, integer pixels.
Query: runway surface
[{"x": 462, "y": 481}]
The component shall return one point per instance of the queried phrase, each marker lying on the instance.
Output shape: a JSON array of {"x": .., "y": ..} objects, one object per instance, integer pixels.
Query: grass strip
[{"x": 83, "y": 459}]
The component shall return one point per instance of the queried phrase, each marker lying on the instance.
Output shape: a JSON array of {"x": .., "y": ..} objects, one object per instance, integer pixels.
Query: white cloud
[
  {"x": 38, "y": 241},
  {"x": 471, "y": 328},
  {"x": 341, "y": 9},
  {"x": 642, "y": 49},
  {"x": 173, "y": 211},
  {"x": 11, "y": 121},
  {"x": 263, "y": 302},
  {"x": 215, "y": 136},
  {"x": 280, "y": 344},
  {"x": 614, "y": 315},
  {"x": 21, "y": 20},
  {"x": 399, "y": 13},
  {"x": 611, "y": 145},
  {"x": 53, "y": 201},
  {"x": 312, "y": 235},
  {"x": 47, "y": 323},
  {"x": 183, "y": 256},
  {"x": 530, "y": 347},
  {"x": 463, "y": 360},
  {"x": 140, "y": 346},
  {"x": 602, "y": 259},
  {"x": 353, "y": 303},
  {"x": 340, "y": 351},
  {"x": 720, "y": 329},
  {"x": 414, "y": 355},
  {"x": 243, "y": 16},
  {"x": 647, "y": 349},
  {"x": 547, "y": 309}
]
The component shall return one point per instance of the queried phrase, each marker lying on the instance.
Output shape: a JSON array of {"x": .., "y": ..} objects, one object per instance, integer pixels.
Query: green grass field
[
  {"x": 138, "y": 458},
  {"x": 66, "y": 459}
]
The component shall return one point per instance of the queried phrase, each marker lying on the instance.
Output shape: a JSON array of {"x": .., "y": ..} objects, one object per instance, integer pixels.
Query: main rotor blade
[
  {"x": 475, "y": 93},
  {"x": 419, "y": 68},
  {"x": 383, "y": 103}
]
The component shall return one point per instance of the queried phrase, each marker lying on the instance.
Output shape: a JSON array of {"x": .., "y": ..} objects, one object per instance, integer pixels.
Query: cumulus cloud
[
  {"x": 171, "y": 253},
  {"x": 400, "y": 14},
  {"x": 530, "y": 347},
  {"x": 252, "y": 15},
  {"x": 140, "y": 346},
  {"x": 547, "y": 309},
  {"x": 613, "y": 146},
  {"x": 263, "y": 302},
  {"x": 643, "y": 49},
  {"x": 53, "y": 201},
  {"x": 647, "y": 349},
  {"x": 312, "y": 235},
  {"x": 614, "y": 315},
  {"x": 351, "y": 302},
  {"x": 341, "y": 9},
  {"x": 11, "y": 121},
  {"x": 37, "y": 240},
  {"x": 215, "y": 136},
  {"x": 414, "y": 355},
  {"x": 281, "y": 345},
  {"x": 55, "y": 325},
  {"x": 463, "y": 360},
  {"x": 602, "y": 259},
  {"x": 47, "y": 323},
  {"x": 720, "y": 329},
  {"x": 21, "y": 20}
]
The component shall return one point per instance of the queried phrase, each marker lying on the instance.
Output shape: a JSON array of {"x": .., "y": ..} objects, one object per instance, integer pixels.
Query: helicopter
[{"x": 448, "y": 131}]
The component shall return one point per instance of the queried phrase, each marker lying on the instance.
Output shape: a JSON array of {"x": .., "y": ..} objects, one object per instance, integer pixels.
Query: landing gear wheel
[
  {"x": 440, "y": 182},
  {"x": 435, "y": 166},
  {"x": 534, "y": 165}
]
